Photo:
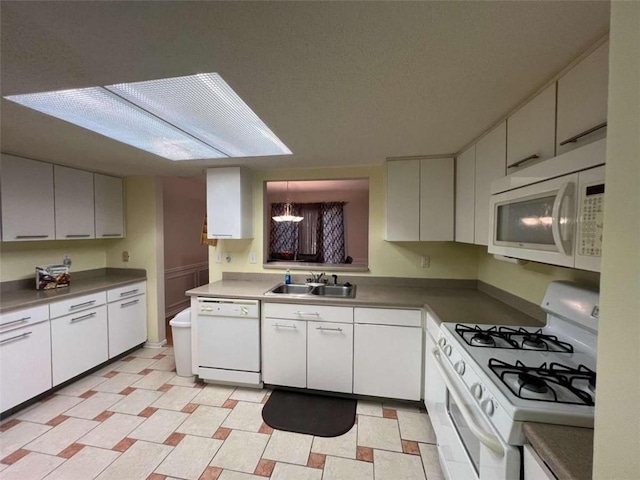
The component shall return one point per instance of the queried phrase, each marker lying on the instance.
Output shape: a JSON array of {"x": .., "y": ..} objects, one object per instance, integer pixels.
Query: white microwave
[{"x": 557, "y": 221}]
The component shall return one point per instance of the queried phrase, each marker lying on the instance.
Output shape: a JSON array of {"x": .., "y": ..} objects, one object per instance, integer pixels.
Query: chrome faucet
[{"x": 315, "y": 277}]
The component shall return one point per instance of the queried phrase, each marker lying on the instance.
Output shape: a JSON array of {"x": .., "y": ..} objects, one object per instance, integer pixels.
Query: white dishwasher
[{"x": 229, "y": 340}]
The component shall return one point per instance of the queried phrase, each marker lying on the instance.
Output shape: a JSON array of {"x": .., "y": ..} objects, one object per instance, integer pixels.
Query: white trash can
[{"x": 181, "y": 329}]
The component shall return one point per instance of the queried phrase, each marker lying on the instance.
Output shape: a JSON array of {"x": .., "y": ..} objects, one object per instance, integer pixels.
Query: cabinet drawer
[
  {"x": 77, "y": 304},
  {"x": 127, "y": 291},
  {"x": 22, "y": 318},
  {"x": 78, "y": 343},
  {"x": 388, "y": 316},
  {"x": 308, "y": 312}
]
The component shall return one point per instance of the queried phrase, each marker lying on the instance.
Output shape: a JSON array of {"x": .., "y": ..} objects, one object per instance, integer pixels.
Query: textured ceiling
[{"x": 340, "y": 83}]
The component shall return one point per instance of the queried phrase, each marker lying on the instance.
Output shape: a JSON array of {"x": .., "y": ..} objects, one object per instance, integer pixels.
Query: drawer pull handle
[
  {"x": 577, "y": 137},
  {"x": 129, "y": 292},
  {"x": 329, "y": 329},
  {"x": 78, "y": 235},
  {"x": 278, "y": 325},
  {"x": 24, "y": 319},
  {"x": 17, "y": 337},
  {"x": 111, "y": 234},
  {"x": 84, "y": 317},
  {"x": 32, "y": 236},
  {"x": 133, "y": 302},
  {"x": 314, "y": 314},
  {"x": 524, "y": 160},
  {"x": 79, "y": 305}
]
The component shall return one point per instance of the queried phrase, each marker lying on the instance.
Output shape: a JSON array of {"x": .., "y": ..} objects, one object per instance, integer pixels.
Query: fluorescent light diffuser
[
  {"x": 183, "y": 118},
  {"x": 101, "y": 111},
  {"x": 207, "y": 108}
]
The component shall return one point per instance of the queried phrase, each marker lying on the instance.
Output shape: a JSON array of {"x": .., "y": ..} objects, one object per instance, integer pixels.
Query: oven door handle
[
  {"x": 566, "y": 190},
  {"x": 488, "y": 439}
]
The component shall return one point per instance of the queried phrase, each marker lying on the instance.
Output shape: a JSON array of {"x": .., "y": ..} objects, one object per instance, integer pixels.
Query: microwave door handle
[
  {"x": 566, "y": 190},
  {"x": 486, "y": 438}
]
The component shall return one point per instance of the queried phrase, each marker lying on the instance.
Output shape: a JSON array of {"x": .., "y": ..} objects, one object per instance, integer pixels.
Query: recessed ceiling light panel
[
  {"x": 205, "y": 106},
  {"x": 101, "y": 111}
]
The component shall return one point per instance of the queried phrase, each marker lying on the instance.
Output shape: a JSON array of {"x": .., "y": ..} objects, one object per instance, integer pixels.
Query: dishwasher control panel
[{"x": 217, "y": 307}]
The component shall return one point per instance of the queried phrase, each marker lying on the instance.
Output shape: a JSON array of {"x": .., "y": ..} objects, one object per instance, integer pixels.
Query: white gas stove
[{"x": 495, "y": 378}]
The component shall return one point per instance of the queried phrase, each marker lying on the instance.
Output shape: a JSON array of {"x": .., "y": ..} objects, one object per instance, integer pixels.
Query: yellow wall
[
  {"x": 617, "y": 427},
  {"x": 401, "y": 259},
  {"x": 528, "y": 281},
  {"x": 19, "y": 259},
  {"x": 144, "y": 244}
]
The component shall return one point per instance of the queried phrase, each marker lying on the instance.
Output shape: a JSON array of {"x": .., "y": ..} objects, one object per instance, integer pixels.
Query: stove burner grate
[
  {"x": 545, "y": 379},
  {"x": 490, "y": 337}
]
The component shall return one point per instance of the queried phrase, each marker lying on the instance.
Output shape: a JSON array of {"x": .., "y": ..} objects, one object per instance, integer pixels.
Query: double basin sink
[{"x": 313, "y": 290}]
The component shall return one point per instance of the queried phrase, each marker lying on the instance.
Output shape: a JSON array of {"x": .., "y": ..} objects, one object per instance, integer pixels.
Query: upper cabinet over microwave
[{"x": 549, "y": 218}]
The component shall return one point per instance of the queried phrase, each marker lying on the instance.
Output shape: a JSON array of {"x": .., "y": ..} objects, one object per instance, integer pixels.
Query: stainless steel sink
[{"x": 310, "y": 291}]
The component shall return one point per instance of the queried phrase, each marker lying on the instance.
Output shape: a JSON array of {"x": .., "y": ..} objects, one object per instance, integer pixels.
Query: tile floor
[{"x": 135, "y": 419}]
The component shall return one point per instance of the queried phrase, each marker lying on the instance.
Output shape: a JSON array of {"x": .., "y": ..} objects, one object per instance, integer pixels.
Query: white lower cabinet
[
  {"x": 127, "y": 324},
  {"x": 387, "y": 359},
  {"x": 330, "y": 356},
  {"x": 78, "y": 343},
  {"x": 25, "y": 363},
  {"x": 284, "y": 352},
  {"x": 534, "y": 466}
]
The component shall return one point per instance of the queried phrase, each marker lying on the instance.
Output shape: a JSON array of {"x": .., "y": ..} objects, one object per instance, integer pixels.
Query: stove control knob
[
  {"x": 460, "y": 366},
  {"x": 476, "y": 390},
  {"x": 442, "y": 342},
  {"x": 447, "y": 350},
  {"x": 487, "y": 406}
]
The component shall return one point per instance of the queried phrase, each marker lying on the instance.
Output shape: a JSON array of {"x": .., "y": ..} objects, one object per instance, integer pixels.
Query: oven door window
[
  {"x": 526, "y": 222},
  {"x": 469, "y": 440}
]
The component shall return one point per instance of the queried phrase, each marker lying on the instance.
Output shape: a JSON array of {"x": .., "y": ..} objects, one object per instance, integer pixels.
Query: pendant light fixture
[{"x": 288, "y": 212}]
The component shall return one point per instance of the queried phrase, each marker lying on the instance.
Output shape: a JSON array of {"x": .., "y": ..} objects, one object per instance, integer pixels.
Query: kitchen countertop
[
  {"x": 568, "y": 451},
  {"x": 81, "y": 283},
  {"x": 463, "y": 305}
]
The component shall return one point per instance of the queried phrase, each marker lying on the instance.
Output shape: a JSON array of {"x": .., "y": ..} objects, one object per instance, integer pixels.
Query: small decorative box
[{"x": 52, "y": 276}]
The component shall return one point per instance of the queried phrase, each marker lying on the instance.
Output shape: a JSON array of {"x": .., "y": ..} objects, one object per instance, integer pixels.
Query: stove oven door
[{"x": 468, "y": 446}]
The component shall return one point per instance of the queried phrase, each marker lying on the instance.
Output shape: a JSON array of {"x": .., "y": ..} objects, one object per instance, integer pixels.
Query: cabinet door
[
  {"x": 582, "y": 100},
  {"x": 465, "y": 195},
  {"x": 491, "y": 155},
  {"x": 27, "y": 200},
  {"x": 109, "y": 206},
  {"x": 330, "y": 356},
  {"x": 229, "y": 203},
  {"x": 127, "y": 324},
  {"x": 534, "y": 466},
  {"x": 532, "y": 130},
  {"x": 436, "y": 199},
  {"x": 78, "y": 343},
  {"x": 284, "y": 352},
  {"x": 74, "y": 203},
  {"x": 25, "y": 364},
  {"x": 403, "y": 200},
  {"x": 387, "y": 361}
]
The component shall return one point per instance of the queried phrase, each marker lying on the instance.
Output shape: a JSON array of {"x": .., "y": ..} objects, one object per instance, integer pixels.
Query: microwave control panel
[{"x": 591, "y": 220}]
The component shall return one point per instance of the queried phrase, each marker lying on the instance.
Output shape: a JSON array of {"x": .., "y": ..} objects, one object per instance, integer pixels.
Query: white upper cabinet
[
  {"x": 491, "y": 156},
  {"x": 74, "y": 203},
  {"x": 27, "y": 200},
  {"x": 531, "y": 131},
  {"x": 420, "y": 200},
  {"x": 403, "y": 200},
  {"x": 465, "y": 195},
  {"x": 109, "y": 206},
  {"x": 582, "y": 101},
  {"x": 229, "y": 203},
  {"x": 436, "y": 199}
]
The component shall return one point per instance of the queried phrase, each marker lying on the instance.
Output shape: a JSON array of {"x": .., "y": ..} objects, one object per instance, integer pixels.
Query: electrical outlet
[
  {"x": 228, "y": 258},
  {"x": 125, "y": 256},
  {"x": 218, "y": 257},
  {"x": 426, "y": 262},
  {"x": 253, "y": 258}
]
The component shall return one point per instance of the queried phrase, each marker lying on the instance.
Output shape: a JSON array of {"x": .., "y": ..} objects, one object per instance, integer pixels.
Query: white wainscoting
[{"x": 180, "y": 279}]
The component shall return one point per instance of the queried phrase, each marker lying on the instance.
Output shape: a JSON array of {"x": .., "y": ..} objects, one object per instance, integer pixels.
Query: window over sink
[{"x": 326, "y": 223}]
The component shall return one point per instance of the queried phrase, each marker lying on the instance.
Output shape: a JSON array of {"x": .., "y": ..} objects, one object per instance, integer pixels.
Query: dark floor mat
[{"x": 309, "y": 413}]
